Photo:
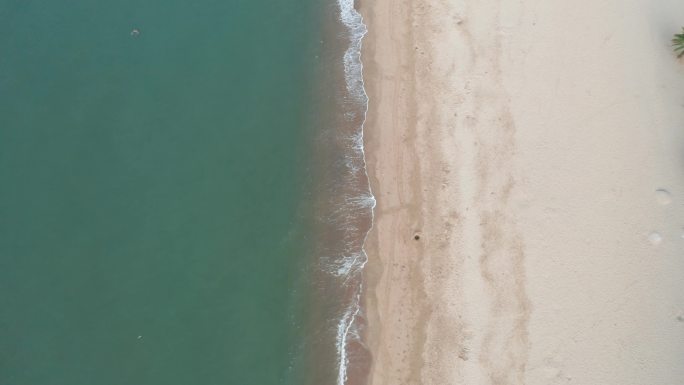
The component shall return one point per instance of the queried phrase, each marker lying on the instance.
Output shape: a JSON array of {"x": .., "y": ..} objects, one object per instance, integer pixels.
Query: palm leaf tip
[{"x": 678, "y": 43}]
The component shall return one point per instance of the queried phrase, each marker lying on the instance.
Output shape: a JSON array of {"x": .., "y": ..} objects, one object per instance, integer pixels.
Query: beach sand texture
[{"x": 528, "y": 163}]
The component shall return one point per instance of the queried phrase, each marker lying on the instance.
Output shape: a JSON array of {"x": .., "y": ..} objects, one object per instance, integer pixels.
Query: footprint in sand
[{"x": 663, "y": 197}]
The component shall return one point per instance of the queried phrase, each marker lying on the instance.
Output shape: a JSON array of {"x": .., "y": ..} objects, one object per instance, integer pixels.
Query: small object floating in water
[
  {"x": 139, "y": 337},
  {"x": 135, "y": 32}
]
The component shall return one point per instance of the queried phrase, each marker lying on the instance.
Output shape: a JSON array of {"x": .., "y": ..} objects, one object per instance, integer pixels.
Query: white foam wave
[
  {"x": 344, "y": 331},
  {"x": 353, "y": 67},
  {"x": 354, "y": 263}
]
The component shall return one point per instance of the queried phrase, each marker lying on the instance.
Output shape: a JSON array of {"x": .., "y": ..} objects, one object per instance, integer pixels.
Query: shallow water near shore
[{"x": 177, "y": 207}]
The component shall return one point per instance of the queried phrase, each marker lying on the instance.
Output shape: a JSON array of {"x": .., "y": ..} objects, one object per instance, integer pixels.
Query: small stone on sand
[{"x": 655, "y": 238}]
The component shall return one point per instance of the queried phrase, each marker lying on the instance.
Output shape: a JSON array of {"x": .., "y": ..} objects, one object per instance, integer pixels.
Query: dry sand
[{"x": 536, "y": 147}]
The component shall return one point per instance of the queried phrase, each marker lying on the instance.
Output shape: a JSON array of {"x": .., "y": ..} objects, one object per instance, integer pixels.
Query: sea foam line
[{"x": 353, "y": 72}]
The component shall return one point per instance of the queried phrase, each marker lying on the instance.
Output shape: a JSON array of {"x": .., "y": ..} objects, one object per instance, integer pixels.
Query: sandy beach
[{"x": 527, "y": 158}]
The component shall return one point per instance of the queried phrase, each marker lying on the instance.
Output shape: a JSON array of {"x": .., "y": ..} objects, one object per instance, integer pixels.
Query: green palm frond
[{"x": 678, "y": 43}]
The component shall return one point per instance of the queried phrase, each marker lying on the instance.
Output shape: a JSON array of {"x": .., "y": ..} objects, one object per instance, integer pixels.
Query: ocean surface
[{"x": 183, "y": 193}]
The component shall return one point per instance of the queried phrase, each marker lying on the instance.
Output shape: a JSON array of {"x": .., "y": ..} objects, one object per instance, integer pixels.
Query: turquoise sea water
[
  {"x": 183, "y": 197},
  {"x": 154, "y": 191}
]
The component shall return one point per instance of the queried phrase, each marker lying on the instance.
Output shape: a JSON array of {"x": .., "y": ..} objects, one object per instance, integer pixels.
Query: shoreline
[
  {"x": 533, "y": 177},
  {"x": 341, "y": 206}
]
